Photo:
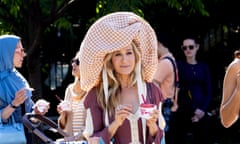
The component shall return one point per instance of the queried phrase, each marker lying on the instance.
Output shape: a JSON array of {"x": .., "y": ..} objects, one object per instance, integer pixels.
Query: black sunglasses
[
  {"x": 191, "y": 47},
  {"x": 76, "y": 61}
]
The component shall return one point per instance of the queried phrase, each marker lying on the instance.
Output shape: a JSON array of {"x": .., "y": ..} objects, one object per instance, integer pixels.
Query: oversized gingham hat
[{"x": 111, "y": 33}]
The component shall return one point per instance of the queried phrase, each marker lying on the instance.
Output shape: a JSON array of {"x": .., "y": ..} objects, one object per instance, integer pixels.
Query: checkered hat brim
[{"x": 111, "y": 33}]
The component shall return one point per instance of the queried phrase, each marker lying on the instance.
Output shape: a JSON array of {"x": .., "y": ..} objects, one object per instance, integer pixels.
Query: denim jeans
[{"x": 167, "y": 104}]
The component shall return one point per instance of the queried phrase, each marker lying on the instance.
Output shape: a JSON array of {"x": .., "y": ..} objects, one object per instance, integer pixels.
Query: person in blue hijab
[{"x": 15, "y": 92}]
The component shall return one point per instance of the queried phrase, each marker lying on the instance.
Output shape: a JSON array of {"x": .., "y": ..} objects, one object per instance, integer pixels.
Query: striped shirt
[{"x": 79, "y": 114}]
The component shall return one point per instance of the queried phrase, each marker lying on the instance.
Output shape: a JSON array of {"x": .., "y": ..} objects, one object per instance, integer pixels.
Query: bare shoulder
[{"x": 234, "y": 65}]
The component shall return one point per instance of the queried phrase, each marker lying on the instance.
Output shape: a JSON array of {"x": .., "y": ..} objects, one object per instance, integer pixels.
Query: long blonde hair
[{"x": 114, "y": 87}]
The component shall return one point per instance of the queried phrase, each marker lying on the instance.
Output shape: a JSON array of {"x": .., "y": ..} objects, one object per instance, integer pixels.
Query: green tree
[{"x": 30, "y": 19}]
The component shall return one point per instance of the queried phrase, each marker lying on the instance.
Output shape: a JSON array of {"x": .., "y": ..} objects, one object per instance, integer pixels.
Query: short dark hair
[
  {"x": 163, "y": 38},
  {"x": 194, "y": 37}
]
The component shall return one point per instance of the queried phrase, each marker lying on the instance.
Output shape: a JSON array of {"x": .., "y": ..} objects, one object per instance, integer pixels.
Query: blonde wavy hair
[{"x": 114, "y": 87}]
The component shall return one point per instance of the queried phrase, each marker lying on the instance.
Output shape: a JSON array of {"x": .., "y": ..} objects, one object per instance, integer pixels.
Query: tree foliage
[{"x": 32, "y": 19}]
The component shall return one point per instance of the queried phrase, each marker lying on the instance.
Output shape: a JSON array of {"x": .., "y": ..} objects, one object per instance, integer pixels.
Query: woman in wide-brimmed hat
[{"x": 118, "y": 58}]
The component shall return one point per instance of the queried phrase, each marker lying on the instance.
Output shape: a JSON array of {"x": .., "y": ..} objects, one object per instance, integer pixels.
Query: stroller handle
[{"x": 26, "y": 119}]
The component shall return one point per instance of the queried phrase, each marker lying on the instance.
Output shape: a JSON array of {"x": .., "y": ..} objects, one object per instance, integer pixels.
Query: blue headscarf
[{"x": 11, "y": 80}]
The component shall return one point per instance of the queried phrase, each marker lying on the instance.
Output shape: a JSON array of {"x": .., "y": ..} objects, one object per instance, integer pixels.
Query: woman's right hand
[
  {"x": 20, "y": 97},
  {"x": 122, "y": 112},
  {"x": 60, "y": 111}
]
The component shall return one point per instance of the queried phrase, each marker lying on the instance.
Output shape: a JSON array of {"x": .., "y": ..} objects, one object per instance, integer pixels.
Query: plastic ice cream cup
[
  {"x": 65, "y": 106},
  {"x": 42, "y": 105},
  {"x": 146, "y": 110}
]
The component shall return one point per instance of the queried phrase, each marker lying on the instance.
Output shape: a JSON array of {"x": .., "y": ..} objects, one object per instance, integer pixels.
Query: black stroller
[{"x": 66, "y": 139}]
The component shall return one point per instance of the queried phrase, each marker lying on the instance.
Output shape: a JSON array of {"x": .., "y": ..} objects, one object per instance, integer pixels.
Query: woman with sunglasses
[
  {"x": 194, "y": 95},
  {"x": 71, "y": 109}
]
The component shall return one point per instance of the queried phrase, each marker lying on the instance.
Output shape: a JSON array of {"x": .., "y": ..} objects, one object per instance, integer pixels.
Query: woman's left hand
[
  {"x": 152, "y": 122},
  {"x": 153, "y": 119},
  {"x": 41, "y": 107}
]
